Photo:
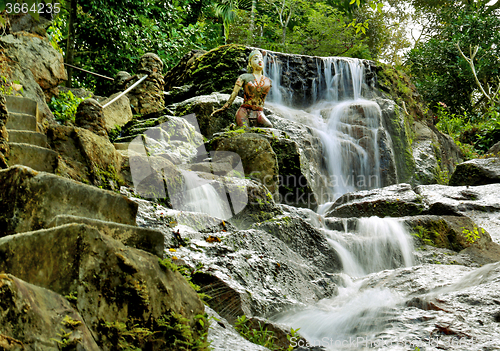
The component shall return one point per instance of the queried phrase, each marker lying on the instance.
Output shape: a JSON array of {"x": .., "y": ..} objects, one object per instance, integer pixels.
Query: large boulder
[
  {"x": 477, "y": 172},
  {"x": 36, "y": 65},
  {"x": 30, "y": 200},
  {"x": 435, "y": 154},
  {"x": 304, "y": 239},
  {"x": 495, "y": 149},
  {"x": 202, "y": 106},
  {"x": 258, "y": 157},
  {"x": 118, "y": 113},
  {"x": 85, "y": 156},
  {"x": 34, "y": 318},
  {"x": 119, "y": 290},
  {"x": 393, "y": 201},
  {"x": 89, "y": 115}
]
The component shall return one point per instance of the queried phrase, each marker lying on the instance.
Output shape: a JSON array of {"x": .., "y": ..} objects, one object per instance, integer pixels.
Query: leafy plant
[
  {"x": 64, "y": 106},
  {"x": 260, "y": 336},
  {"x": 472, "y": 235}
]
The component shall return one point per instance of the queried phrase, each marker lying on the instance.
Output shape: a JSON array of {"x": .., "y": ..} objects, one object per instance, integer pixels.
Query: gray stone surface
[
  {"x": 20, "y": 121},
  {"x": 30, "y": 200},
  {"x": 36, "y": 65}
]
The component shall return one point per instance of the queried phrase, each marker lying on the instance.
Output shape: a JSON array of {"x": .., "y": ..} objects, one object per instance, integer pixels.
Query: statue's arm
[{"x": 234, "y": 94}]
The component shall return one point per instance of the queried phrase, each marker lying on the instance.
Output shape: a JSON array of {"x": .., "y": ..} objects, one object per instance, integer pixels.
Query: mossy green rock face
[
  {"x": 258, "y": 157},
  {"x": 29, "y": 200},
  {"x": 449, "y": 232},
  {"x": 34, "y": 318},
  {"x": 477, "y": 172},
  {"x": 118, "y": 289},
  {"x": 216, "y": 70},
  {"x": 203, "y": 106}
]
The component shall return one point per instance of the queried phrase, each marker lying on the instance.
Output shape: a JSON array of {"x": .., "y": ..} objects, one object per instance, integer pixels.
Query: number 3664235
[{"x": 35, "y": 8}]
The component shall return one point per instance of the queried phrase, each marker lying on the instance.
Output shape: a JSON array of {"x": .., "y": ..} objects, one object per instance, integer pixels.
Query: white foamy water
[{"x": 201, "y": 196}]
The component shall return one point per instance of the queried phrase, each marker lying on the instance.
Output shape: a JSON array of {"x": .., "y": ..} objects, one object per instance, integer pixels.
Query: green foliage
[
  {"x": 127, "y": 29},
  {"x": 260, "y": 336},
  {"x": 442, "y": 75},
  {"x": 473, "y": 134},
  {"x": 7, "y": 87},
  {"x": 423, "y": 234},
  {"x": 186, "y": 272},
  {"x": 64, "y": 106},
  {"x": 472, "y": 235}
]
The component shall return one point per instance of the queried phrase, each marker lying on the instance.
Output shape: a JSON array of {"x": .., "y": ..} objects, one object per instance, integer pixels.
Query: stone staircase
[{"x": 28, "y": 147}]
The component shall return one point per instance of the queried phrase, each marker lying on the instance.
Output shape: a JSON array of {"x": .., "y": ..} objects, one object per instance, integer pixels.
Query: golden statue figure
[{"x": 255, "y": 87}]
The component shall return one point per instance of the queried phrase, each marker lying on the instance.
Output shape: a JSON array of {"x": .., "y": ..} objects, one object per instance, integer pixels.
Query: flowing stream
[{"x": 350, "y": 128}]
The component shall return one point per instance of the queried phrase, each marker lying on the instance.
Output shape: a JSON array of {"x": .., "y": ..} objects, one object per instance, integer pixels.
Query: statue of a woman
[{"x": 256, "y": 87}]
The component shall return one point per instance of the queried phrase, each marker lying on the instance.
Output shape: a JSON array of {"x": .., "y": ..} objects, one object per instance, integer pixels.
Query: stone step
[
  {"x": 145, "y": 239},
  {"x": 21, "y": 121},
  {"x": 28, "y": 137},
  {"x": 16, "y": 104},
  {"x": 39, "y": 158},
  {"x": 121, "y": 146}
]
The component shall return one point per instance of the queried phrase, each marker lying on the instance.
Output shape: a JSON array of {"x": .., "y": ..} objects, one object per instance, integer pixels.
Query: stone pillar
[
  {"x": 148, "y": 96},
  {"x": 4, "y": 137},
  {"x": 89, "y": 115},
  {"x": 121, "y": 80}
]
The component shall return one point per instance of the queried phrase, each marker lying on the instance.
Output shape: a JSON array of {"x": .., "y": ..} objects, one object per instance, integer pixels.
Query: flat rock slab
[
  {"x": 149, "y": 240},
  {"x": 477, "y": 172},
  {"x": 28, "y": 137},
  {"x": 29, "y": 200},
  {"x": 117, "y": 287},
  {"x": 21, "y": 121},
  {"x": 394, "y": 201},
  {"x": 34, "y": 318},
  {"x": 39, "y": 158}
]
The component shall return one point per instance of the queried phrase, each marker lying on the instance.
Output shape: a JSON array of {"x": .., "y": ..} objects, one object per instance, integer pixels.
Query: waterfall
[
  {"x": 201, "y": 196},
  {"x": 349, "y": 126},
  {"x": 351, "y": 130}
]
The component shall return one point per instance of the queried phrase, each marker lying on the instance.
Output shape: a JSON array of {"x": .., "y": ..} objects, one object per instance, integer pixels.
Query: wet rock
[
  {"x": 118, "y": 288},
  {"x": 393, "y": 201},
  {"x": 30, "y": 200},
  {"x": 477, "y": 172},
  {"x": 36, "y": 65},
  {"x": 4, "y": 136},
  {"x": 223, "y": 336},
  {"x": 35, "y": 318},
  {"x": 89, "y": 115},
  {"x": 450, "y": 232},
  {"x": 303, "y": 239},
  {"x": 85, "y": 156},
  {"x": 254, "y": 273},
  {"x": 258, "y": 158},
  {"x": 202, "y": 106},
  {"x": 310, "y": 160},
  {"x": 118, "y": 113}
]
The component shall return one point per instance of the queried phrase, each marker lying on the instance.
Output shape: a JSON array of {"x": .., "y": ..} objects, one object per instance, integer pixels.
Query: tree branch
[{"x": 470, "y": 61}]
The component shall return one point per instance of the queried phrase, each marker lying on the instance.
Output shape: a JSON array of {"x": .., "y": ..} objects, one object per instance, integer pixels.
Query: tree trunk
[
  {"x": 70, "y": 43},
  {"x": 252, "y": 22}
]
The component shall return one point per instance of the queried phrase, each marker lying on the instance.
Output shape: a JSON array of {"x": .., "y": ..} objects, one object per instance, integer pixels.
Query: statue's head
[{"x": 255, "y": 61}]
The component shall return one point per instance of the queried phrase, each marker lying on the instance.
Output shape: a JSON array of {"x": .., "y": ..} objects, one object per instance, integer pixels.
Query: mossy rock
[
  {"x": 477, "y": 172},
  {"x": 448, "y": 232},
  {"x": 214, "y": 71}
]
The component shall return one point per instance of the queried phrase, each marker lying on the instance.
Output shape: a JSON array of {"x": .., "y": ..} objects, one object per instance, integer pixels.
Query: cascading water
[
  {"x": 201, "y": 196},
  {"x": 349, "y": 126},
  {"x": 351, "y": 130}
]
